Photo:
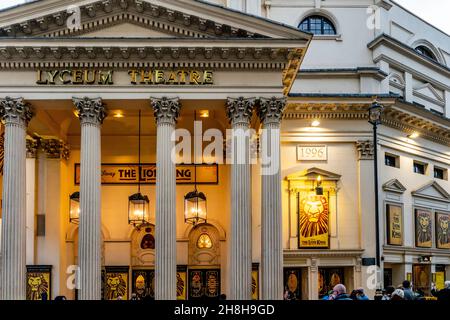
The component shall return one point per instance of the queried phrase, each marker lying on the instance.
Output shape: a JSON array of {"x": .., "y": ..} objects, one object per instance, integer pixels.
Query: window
[
  {"x": 391, "y": 160},
  {"x": 426, "y": 52},
  {"x": 440, "y": 173},
  {"x": 317, "y": 25},
  {"x": 420, "y": 167}
]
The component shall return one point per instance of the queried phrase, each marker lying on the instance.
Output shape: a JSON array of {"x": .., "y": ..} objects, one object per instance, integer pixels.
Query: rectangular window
[
  {"x": 440, "y": 173},
  {"x": 420, "y": 167},
  {"x": 391, "y": 160}
]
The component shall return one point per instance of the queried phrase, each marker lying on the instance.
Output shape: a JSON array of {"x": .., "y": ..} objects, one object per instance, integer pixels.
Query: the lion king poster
[
  {"x": 181, "y": 282},
  {"x": 423, "y": 229},
  {"x": 313, "y": 220},
  {"x": 38, "y": 282},
  {"x": 395, "y": 225},
  {"x": 116, "y": 283},
  {"x": 442, "y": 231}
]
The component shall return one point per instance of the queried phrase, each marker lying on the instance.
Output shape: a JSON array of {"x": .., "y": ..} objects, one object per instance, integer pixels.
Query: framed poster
[
  {"x": 143, "y": 283},
  {"x": 292, "y": 283},
  {"x": 424, "y": 237},
  {"x": 313, "y": 220},
  {"x": 328, "y": 278},
  {"x": 255, "y": 281},
  {"x": 442, "y": 230},
  {"x": 116, "y": 283},
  {"x": 204, "y": 283},
  {"x": 39, "y": 282},
  {"x": 181, "y": 282},
  {"x": 394, "y": 220}
]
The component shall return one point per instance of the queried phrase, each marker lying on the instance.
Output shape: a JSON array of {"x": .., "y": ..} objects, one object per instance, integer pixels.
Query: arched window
[
  {"x": 317, "y": 25},
  {"x": 426, "y": 52}
]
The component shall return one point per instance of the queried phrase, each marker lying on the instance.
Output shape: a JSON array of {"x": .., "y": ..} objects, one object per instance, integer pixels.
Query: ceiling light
[
  {"x": 204, "y": 113},
  {"x": 413, "y": 135},
  {"x": 315, "y": 123},
  {"x": 118, "y": 114}
]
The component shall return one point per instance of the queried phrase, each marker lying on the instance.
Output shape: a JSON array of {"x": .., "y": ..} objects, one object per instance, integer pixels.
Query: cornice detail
[
  {"x": 240, "y": 110},
  {"x": 15, "y": 110},
  {"x": 166, "y": 110},
  {"x": 91, "y": 111},
  {"x": 55, "y": 148},
  {"x": 365, "y": 150},
  {"x": 271, "y": 110},
  {"x": 32, "y": 146}
]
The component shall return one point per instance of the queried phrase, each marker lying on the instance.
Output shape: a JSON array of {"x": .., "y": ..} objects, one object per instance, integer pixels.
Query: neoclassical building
[{"x": 96, "y": 95}]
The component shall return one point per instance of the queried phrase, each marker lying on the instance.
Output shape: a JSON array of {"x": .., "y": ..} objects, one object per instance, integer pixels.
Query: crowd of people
[{"x": 402, "y": 292}]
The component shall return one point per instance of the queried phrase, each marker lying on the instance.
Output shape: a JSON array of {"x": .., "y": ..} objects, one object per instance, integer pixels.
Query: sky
[{"x": 434, "y": 11}]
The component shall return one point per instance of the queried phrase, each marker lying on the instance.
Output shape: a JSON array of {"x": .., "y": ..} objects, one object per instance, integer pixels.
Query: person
[
  {"x": 328, "y": 295},
  {"x": 408, "y": 293},
  {"x": 60, "y": 298},
  {"x": 441, "y": 295},
  {"x": 398, "y": 295},
  {"x": 388, "y": 293},
  {"x": 223, "y": 296},
  {"x": 360, "y": 295},
  {"x": 340, "y": 292},
  {"x": 44, "y": 296},
  {"x": 134, "y": 297},
  {"x": 354, "y": 295}
]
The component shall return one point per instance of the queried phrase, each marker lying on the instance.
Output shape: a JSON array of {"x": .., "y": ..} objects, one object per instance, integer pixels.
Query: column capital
[
  {"x": 32, "y": 146},
  {"x": 365, "y": 149},
  {"x": 55, "y": 148},
  {"x": 166, "y": 110},
  {"x": 15, "y": 110},
  {"x": 271, "y": 109},
  {"x": 90, "y": 110},
  {"x": 239, "y": 110}
]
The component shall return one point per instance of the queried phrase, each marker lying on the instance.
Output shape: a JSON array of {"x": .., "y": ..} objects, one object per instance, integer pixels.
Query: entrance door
[
  {"x": 204, "y": 284},
  {"x": 422, "y": 278},
  {"x": 328, "y": 278}
]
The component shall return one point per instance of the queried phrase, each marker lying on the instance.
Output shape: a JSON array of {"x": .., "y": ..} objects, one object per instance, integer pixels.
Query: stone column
[
  {"x": 31, "y": 146},
  {"x": 239, "y": 112},
  {"x": 166, "y": 114},
  {"x": 16, "y": 114},
  {"x": 91, "y": 113},
  {"x": 270, "y": 112}
]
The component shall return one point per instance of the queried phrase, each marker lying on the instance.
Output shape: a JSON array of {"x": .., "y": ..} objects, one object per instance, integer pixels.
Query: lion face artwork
[
  {"x": 37, "y": 284},
  {"x": 313, "y": 221},
  {"x": 423, "y": 228},
  {"x": 180, "y": 286},
  {"x": 443, "y": 232},
  {"x": 116, "y": 286}
]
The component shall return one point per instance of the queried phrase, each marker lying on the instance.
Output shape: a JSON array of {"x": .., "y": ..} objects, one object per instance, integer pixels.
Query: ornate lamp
[
  {"x": 195, "y": 202},
  {"x": 74, "y": 207},
  {"x": 138, "y": 204},
  {"x": 319, "y": 188},
  {"x": 375, "y": 112}
]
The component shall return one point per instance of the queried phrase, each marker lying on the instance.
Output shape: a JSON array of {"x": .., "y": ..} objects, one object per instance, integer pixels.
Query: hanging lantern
[
  {"x": 319, "y": 188},
  {"x": 195, "y": 207},
  {"x": 138, "y": 212},
  {"x": 74, "y": 207}
]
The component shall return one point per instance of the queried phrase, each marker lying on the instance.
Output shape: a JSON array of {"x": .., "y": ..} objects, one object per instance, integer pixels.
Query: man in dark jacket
[
  {"x": 340, "y": 293},
  {"x": 409, "y": 294},
  {"x": 442, "y": 295}
]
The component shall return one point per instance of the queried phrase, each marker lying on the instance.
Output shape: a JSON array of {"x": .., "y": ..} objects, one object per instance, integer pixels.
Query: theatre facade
[{"x": 128, "y": 170}]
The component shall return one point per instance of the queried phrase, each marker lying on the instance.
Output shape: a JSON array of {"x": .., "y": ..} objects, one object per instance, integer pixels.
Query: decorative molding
[
  {"x": 16, "y": 110},
  {"x": 240, "y": 110},
  {"x": 295, "y": 59},
  {"x": 271, "y": 110},
  {"x": 326, "y": 110},
  {"x": 365, "y": 150},
  {"x": 90, "y": 110},
  {"x": 166, "y": 110},
  {"x": 443, "y": 195},
  {"x": 313, "y": 173},
  {"x": 394, "y": 186},
  {"x": 55, "y": 148},
  {"x": 32, "y": 147}
]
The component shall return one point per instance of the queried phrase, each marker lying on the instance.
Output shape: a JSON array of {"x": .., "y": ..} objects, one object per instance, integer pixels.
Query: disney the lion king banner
[
  {"x": 442, "y": 231},
  {"x": 313, "y": 220},
  {"x": 116, "y": 283},
  {"x": 423, "y": 229},
  {"x": 39, "y": 282}
]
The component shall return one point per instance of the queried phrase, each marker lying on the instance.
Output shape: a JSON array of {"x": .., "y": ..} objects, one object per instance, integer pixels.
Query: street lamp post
[{"x": 375, "y": 112}]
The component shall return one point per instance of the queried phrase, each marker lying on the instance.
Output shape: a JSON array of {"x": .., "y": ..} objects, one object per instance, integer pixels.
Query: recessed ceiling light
[
  {"x": 118, "y": 114},
  {"x": 413, "y": 135},
  {"x": 315, "y": 123},
  {"x": 204, "y": 113}
]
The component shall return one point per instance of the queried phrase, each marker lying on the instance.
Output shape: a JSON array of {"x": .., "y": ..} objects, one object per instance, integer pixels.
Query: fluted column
[
  {"x": 91, "y": 113},
  {"x": 239, "y": 112},
  {"x": 270, "y": 112},
  {"x": 166, "y": 113},
  {"x": 16, "y": 114}
]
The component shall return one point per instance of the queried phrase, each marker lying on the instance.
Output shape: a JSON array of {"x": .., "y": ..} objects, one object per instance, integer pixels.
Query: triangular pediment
[
  {"x": 127, "y": 29},
  {"x": 432, "y": 191},
  {"x": 184, "y": 18},
  {"x": 394, "y": 186},
  {"x": 429, "y": 91},
  {"x": 313, "y": 173}
]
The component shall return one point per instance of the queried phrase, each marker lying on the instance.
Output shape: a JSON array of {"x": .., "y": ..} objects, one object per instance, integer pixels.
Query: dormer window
[{"x": 317, "y": 25}]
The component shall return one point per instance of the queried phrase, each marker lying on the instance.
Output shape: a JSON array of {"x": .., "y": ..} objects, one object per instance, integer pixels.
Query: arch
[
  {"x": 429, "y": 46},
  {"x": 397, "y": 79},
  {"x": 204, "y": 255},
  {"x": 72, "y": 232},
  {"x": 214, "y": 223},
  {"x": 325, "y": 14},
  {"x": 143, "y": 245}
]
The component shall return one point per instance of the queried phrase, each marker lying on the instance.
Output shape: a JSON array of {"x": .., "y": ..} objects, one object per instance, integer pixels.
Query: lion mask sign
[{"x": 313, "y": 221}]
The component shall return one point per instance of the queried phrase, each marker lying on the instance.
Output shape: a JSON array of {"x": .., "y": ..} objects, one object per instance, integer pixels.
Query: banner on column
[
  {"x": 181, "y": 282},
  {"x": 129, "y": 173},
  {"x": 395, "y": 225},
  {"x": 423, "y": 228},
  {"x": 313, "y": 220},
  {"x": 442, "y": 230},
  {"x": 39, "y": 282},
  {"x": 116, "y": 283}
]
